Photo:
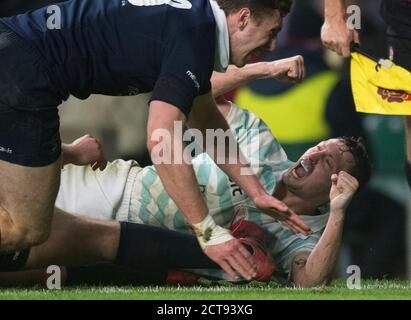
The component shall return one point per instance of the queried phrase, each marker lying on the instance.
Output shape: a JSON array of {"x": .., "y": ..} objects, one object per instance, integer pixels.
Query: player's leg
[
  {"x": 28, "y": 278},
  {"x": 30, "y": 176},
  {"x": 27, "y": 198},
  {"x": 30, "y": 148},
  {"x": 76, "y": 240},
  {"x": 94, "y": 275}
]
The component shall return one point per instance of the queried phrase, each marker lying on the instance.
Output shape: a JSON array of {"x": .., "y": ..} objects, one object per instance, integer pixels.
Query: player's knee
[
  {"x": 34, "y": 237},
  {"x": 18, "y": 234},
  {"x": 19, "y": 238}
]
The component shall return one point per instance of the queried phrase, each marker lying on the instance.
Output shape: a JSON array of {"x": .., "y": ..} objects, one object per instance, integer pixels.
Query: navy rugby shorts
[{"x": 29, "y": 120}]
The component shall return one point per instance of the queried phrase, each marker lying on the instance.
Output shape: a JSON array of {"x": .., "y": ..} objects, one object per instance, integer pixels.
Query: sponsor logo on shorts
[
  {"x": 194, "y": 78},
  {"x": 16, "y": 255},
  {"x": 133, "y": 91},
  {"x": 6, "y": 150},
  {"x": 394, "y": 95}
]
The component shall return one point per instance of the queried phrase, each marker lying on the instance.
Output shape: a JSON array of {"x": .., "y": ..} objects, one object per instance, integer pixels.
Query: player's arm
[
  {"x": 316, "y": 268},
  {"x": 287, "y": 70},
  {"x": 83, "y": 151},
  {"x": 179, "y": 180},
  {"x": 205, "y": 115},
  {"x": 335, "y": 33},
  {"x": 408, "y": 147}
]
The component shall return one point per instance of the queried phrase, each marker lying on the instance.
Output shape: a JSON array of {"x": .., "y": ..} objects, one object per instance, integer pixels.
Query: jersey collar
[{"x": 222, "y": 55}]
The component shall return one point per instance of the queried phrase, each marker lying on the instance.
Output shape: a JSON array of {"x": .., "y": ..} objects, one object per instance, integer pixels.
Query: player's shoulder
[
  {"x": 245, "y": 118},
  {"x": 192, "y": 13}
]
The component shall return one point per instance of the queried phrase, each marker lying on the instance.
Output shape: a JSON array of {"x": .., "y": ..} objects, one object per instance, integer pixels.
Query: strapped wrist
[{"x": 209, "y": 233}]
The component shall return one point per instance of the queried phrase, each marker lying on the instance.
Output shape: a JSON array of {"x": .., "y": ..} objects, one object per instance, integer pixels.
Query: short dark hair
[
  {"x": 257, "y": 7},
  {"x": 362, "y": 167}
]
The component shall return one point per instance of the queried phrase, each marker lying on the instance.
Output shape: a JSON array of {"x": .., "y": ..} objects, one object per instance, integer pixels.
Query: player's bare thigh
[
  {"x": 76, "y": 240},
  {"x": 27, "y": 197}
]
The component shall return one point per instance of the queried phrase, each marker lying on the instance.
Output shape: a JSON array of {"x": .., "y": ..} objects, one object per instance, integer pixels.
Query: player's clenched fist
[
  {"x": 342, "y": 190},
  {"x": 83, "y": 151},
  {"x": 288, "y": 70}
]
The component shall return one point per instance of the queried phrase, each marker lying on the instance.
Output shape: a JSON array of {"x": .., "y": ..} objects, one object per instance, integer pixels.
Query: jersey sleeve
[
  {"x": 187, "y": 65},
  {"x": 285, "y": 258}
]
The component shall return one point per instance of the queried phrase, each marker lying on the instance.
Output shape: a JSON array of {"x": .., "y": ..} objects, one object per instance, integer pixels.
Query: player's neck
[{"x": 293, "y": 201}]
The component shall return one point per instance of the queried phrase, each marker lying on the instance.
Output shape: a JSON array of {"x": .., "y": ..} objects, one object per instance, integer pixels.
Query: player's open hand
[
  {"x": 279, "y": 211},
  {"x": 232, "y": 257},
  {"x": 342, "y": 190},
  {"x": 291, "y": 70},
  {"x": 86, "y": 150},
  {"x": 337, "y": 37}
]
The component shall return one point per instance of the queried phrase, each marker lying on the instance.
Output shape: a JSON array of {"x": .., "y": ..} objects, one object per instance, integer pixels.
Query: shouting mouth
[{"x": 302, "y": 169}]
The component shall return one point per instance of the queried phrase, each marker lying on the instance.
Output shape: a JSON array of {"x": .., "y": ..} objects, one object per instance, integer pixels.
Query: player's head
[
  {"x": 253, "y": 26},
  {"x": 310, "y": 177}
]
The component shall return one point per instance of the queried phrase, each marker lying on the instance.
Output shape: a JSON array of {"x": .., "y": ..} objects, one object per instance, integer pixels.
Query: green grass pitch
[{"x": 374, "y": 290}]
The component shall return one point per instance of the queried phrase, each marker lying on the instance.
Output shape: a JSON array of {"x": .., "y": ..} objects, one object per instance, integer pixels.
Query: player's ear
[{"x": 244, "y": 16}]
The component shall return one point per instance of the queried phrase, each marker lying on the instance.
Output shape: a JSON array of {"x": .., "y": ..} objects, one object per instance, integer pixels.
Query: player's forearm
[
  {"x": 321, "y": 262},
  {"x": 236, "y": 77},
  {"x": 334, "y": 9},
  {"x": 178, "y": 178},
  {"x": 180, "y": 183}
]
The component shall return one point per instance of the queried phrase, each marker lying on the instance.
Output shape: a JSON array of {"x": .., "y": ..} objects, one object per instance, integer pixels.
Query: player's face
[
  {"x": 254, "y": 37},
  {"x": 311, "y": 175}
]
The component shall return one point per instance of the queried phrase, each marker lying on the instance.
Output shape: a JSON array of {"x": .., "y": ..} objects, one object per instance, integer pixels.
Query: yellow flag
[{"x": 380, "y": 87}]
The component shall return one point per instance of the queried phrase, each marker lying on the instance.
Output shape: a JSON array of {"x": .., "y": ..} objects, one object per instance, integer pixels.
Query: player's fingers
[
  {"x": 95, "y": 166},
  {"x": 247, "y": 255},
  {"x": 292, "y": 227},
  {"x": 302, "y": 69},
  {"x": 348, "y": 187},
  {"x": 356, "y": 37},
  {"x": 298, "y": 224},
  {"x": 346, "y": 51},
  {"x": 103, "y": 163},
  {"x": 238, "y": 263},
  {"x": 295, "y": 228},
  {"x": 348, "y": 180},
  {"x": 277, "y": 205},
  {"x": 333, "y": 46},
  {"x": 293, "y": 73},
  {"x": 349, "y": 177},
  {"x": 228, "y": 269}
]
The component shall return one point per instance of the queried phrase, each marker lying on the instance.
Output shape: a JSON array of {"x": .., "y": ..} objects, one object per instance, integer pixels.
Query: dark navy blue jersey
[
  {"x": 125, "y": 47},
  {"x": 397, "y": 15}
]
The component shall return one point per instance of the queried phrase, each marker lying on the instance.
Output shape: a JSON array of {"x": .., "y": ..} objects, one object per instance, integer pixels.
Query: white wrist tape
[{"x": 208, "y": 233}]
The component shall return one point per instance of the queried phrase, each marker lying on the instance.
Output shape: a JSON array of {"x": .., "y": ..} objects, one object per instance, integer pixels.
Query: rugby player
[
  {"x": 125, "y": 47},
  {"x": 319, "y": 187}
]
